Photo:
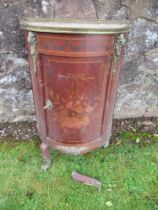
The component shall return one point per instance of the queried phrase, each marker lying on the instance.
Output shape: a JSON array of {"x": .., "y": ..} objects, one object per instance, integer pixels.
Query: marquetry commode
[{"x": 75, "y": 67}]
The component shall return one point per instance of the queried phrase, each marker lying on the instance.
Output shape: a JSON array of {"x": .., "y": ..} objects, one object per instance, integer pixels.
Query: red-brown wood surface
[{"x": 75, "y": 74}]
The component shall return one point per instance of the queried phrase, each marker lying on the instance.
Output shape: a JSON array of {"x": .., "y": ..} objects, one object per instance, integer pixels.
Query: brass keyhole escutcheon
[{"x": 48, "y": 105}]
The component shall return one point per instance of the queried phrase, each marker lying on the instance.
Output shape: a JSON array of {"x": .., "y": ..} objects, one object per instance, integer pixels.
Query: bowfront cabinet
[{"x": 75, "y": 71}]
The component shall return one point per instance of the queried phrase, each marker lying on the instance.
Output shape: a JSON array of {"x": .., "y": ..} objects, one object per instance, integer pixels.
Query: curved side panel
[{"x": 37, "y": 85}]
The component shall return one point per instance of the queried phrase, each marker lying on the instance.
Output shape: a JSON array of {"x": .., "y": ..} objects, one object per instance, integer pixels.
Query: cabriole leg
[
  {"x": 46, "y": 156},
  {"x": 106, "y": 144}
]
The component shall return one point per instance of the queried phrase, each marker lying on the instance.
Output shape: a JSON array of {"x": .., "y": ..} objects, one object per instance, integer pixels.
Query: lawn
[{"x": 128, "y": 169}]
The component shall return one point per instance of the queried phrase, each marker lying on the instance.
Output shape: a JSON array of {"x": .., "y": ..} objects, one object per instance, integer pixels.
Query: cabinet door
[{"x": 75, "y": 89}]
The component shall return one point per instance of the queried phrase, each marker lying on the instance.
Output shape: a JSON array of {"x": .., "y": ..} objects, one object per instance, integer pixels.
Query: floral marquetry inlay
[
  {"x": 75, "y": 79},
  {"x": 74, "y": 111}
]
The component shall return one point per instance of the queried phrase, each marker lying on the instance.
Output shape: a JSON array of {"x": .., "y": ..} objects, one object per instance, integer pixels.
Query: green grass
[{"x": 128, "y": 170}]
